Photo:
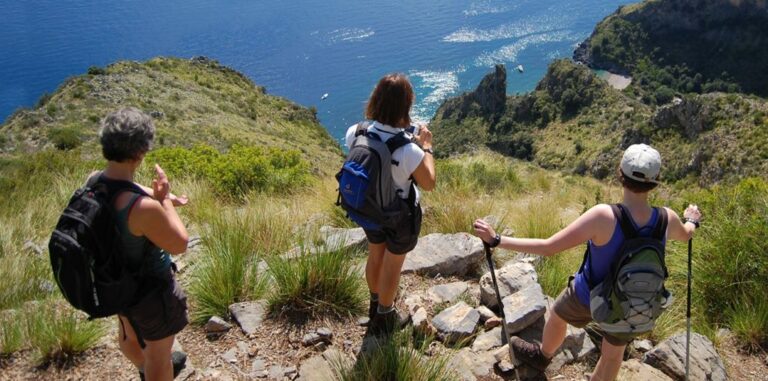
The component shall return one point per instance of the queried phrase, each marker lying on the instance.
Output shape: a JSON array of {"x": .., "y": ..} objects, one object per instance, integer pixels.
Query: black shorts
[
  {"x": 403, "y": 238},
  {"x": 161, "y": 312}
]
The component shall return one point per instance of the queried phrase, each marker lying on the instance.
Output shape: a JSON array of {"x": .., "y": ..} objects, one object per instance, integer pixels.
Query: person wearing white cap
[{"x": 600, "y": 228}]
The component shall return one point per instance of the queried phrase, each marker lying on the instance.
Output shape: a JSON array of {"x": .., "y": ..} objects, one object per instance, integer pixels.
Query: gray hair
[{"x": 126, "y": 134}]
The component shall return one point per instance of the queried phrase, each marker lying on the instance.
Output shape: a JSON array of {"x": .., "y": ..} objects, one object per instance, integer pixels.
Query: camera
[{"x": 413, "y": 129}]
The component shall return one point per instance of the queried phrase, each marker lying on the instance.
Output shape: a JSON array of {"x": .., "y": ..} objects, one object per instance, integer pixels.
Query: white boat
[
  {"x": 324, "y": 96},
  {"x": 520, "y": 68}
]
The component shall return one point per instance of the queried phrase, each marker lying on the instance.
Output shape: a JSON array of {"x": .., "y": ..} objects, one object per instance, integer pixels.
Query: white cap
[{"x": 641, "y": 163}]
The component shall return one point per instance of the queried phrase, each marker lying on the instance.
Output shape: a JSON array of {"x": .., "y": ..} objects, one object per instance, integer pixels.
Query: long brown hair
[{"x": 391, "y": 101}]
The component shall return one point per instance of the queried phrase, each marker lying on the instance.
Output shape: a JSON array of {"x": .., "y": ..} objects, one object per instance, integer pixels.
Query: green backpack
[{"x": 632, "y": 295}]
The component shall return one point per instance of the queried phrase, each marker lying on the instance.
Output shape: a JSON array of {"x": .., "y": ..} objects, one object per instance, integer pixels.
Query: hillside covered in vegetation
[{"x": 685, "y": 46}]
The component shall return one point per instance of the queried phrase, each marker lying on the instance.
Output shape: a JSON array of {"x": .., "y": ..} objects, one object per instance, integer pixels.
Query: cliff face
[{"x": 724, "y": 42}]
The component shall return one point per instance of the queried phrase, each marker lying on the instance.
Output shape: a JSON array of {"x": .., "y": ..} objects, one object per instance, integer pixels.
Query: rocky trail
[{"x": 447, "y": 291}]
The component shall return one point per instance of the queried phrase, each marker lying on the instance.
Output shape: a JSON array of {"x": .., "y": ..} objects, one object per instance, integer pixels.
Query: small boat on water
[
  {"x": 324, "y": 96},
  {"x": 520, "y": 68}
]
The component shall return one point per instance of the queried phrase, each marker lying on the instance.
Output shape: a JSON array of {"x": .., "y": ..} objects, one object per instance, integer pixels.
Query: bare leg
[
  {"x": 373, "y": 266},
  {"x": 158, "y": 365},
  {"x": 128, "y": 342},
  {"x": 389, "y": 277},
  {"x": 554, "y": 334},
  {"x": 609, "y": 364}
]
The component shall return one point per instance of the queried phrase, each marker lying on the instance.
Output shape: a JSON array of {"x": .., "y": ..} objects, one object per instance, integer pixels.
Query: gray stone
[
  {"x": 310, "y": 339},
  {"x": 485, "y": 313},
  {"x": 336, "y": 238},
  {"x": 315, "y": 369},
  {"x": 669, "y": 357},
  {"x": 420, "y": 321},
  {"x": 587, "y": 349},
  {"x": 642, "y": 346},
  {"x": 445, "y": 254},
  {"x": 230, "y": 356},
  {"x": 524, "y": 307},
  {"x": 325, "y": 333},
  {"x": 31, "y": 247},
  {"x": 469, "y": 365},
  {"x": 413, "y": 303},
  {"x": 217, "y": 325},
  {"x": 449, "y": 292},
  {"x": 456, "y": 323},
  {"x": 363, "y": 321},
  {"x": 243, "y": 347},
  {"x": 634, "y": 370},
  {"x": 276, "y": 372},
  {"x": 574, "y": 340},
  {"x": 249, "y": 315},
  {"x": 560, "y": 359},
  {"x": 258, "y": 365},
  {"x": 513, "y": 277},
  {"x": 502, "y": 354},
  {"x": 488, "y": 340}
]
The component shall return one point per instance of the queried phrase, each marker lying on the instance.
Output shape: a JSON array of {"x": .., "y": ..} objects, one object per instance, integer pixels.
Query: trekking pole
[
  {"x": 688, "y": 315},
  {"x": 501, "y": 308}
]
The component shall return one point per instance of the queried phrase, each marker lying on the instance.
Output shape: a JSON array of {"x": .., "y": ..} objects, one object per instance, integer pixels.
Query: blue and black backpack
[{"x": 367, "y": 191}]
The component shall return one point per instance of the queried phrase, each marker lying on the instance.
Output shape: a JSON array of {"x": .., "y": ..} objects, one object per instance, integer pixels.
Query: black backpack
[
  {"x": 84, "y": 249},
  {"x": 367, "y": 191}
]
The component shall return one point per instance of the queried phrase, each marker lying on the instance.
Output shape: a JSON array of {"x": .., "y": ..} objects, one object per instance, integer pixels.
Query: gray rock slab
[
  {"x": 456, "y": 323},
  {"x": 469, "y": 365},
  {"x": 485, "y": 313},
  {"x": 488, "y": 340},
  {"x": 502, "y": 354},
  {"x": 249, "y": 315},
  {"x": 445, "y": 254},
  {"x": 634, "y": 370},
  {"x": 524, "y": 307},
  {"x": 420, "y": 321},
  {"x": 447, "y": 293},
  {"x": 511, "y": 278},
  {"x": 642, "y": 346},
  {"x": 230, "y": 356},
  {"x": 217, "y": 325},
  {"x": 337, "y": 238},
  {"x": 669, "y": 357},
  {"x": 315, "y": 369}
]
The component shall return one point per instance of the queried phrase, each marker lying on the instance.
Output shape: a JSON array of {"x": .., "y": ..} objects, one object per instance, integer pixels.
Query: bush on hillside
[
  {"x": 731, "y": 268},
  {"x": 65, "y": 138},
  {"x": 239, "y": 170}
]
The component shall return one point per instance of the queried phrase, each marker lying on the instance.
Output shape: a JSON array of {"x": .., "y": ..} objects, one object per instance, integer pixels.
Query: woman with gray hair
[{"x": 150, "y": 230}]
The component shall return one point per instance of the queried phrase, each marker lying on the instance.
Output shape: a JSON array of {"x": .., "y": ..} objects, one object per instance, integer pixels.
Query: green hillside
[{"x": 192, "y": 101}]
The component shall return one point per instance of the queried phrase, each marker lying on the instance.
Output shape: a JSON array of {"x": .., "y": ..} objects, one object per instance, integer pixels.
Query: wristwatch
[
  {"x": 691, "y": 220},
  {"x": 429, "y": 151},
  {"x": 496, "y": 241}
]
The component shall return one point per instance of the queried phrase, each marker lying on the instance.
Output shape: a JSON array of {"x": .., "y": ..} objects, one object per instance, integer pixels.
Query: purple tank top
[{"x": 601, "y": 257}]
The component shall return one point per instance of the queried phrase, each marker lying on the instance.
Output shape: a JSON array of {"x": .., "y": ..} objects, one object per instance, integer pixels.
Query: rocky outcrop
[
  {"x": 524, "y": 307},
  {"x": 687, "y": 115},
  {"x": 456, "y": 323},
  {"x": 705, "y": 363},
  {"x": 445, "y": 254},
  {"x": 511, "y": 278},
  {"x": 487, "y": 101}
]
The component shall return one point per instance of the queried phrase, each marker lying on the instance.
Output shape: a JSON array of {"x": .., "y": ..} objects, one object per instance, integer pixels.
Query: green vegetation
[
  {"x": 315, "y": 284},
  {"x": 11, "y": 333},
  {"x": 65, "y": 138},
  {"x": 683, "y": 46},
  {"x": 400, "y": 358},
  {"x": 239, "y": 170},
  {"x": 57, "y": 333}
]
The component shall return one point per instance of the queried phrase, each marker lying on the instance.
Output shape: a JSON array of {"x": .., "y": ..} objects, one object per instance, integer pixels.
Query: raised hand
[
  {"x": 161, "y": 188},
  {"x": 484, "y": 230}
]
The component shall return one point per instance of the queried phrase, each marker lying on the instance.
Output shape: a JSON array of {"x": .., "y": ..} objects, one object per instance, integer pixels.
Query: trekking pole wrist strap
[{"x": 691, "y": 220}]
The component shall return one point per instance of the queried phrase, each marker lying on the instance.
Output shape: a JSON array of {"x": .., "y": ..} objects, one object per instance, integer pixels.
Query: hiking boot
[
  {"x": 385, "y": 324},
  {"x": 529, "y": 353},
  {"x": 179, "y": 361}
]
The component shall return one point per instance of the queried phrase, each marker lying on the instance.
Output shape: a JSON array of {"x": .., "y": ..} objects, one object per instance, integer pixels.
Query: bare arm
[
  {"x": 157, "y": 218},
  {"x": 425, "y": 174},
  {"x": 575, "y": 234},
  {"x": 680, "y": 230}
]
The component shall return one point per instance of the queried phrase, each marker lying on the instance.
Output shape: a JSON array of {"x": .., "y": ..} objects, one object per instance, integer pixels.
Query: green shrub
[
  {"x": 748, "y": 318},
  {"x": 729, "y": 251},
  {"x": 95, "y": 70},
  {"x": 480, "y": 176},
  {"x": 65, "y": 138},
  {"x": 315, "y": 284},
  {"x": 240, "y": 170},
  {"x": 12, "y": 331},
  {"x": 227, "y": 271},
  {"x": 57, "y": 333},
  {"x": 400, "y": 358}
]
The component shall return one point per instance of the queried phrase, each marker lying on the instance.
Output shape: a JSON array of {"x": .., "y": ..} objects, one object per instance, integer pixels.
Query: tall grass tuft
[
  {"x": 23, "y": 277},
  {"x": 12, "y": 332},
  {"x": 554, "y": 271},
  {"x": 399, "y": 358},
  {"x": 57, "y": 333},
  {"x": 540, "y": 218},
  {"x": 227, "y": 271},
  {"x": 748, "y": 318},
  {"x": 322, "y": 283}
]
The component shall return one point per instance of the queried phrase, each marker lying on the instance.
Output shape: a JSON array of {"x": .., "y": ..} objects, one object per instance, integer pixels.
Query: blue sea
[{"x": 298, "y": 49}]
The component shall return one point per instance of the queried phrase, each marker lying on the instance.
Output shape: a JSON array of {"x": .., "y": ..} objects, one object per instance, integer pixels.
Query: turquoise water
[{"x": 298, "y": 49}]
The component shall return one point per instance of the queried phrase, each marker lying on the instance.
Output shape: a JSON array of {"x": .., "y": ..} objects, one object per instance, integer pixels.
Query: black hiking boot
[
  {"x": 529, "y": 353},
  {"x": 385, "y": 324},
  {"x": 179, "y": 361}
]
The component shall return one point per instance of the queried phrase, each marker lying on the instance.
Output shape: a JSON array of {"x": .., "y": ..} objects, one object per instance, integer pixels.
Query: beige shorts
[{"x": 568, "y": 307}]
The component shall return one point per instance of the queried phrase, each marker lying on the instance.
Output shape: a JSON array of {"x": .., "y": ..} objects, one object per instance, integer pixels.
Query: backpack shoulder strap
[
  {"x": 662, "y": 220},
  {"x": 398, "y": 141},
  {"x": 622, "y": 216},
  {"x": 362, "y": 128}
]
